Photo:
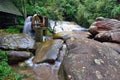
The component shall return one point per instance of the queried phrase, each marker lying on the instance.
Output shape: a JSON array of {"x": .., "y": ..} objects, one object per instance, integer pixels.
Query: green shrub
[
  {"x": 88, "y": 10},
  {"x": 6, "y": 72},
  {"x": 116, "y": 12},
  {"x": 13, "y": 29}
]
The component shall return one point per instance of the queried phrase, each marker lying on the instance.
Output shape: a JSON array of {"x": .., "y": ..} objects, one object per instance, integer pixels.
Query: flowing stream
[
  {"x": 57, "y": 26},
  {"x": 64, "y": 26},
  {"x": 46, "y": 71}
]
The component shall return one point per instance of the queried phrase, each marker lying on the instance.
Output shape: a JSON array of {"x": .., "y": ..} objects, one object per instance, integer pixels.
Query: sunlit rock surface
[
  {"x": 68, "y": 34},
  {"x": 48, "y": 51},
  {"x": 16, "y": 41},
  {"x": 88, "y": 59}
]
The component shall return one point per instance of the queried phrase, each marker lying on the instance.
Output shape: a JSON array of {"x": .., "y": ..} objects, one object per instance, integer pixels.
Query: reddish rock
[
  {"x": 109, "y": 36},
  {"x": 103, "y": 24}
]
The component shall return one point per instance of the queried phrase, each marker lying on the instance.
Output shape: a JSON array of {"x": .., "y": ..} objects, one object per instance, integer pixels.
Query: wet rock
[
  {"x": 109, "y": 36},
  {"x": 45, "y": 71},
  {"x": 89, "y": 60},
  {"x": 18, "y": 56},
  {"x": 62, "y": 53},
  {"x": 16, "y": 41},
  {"x": 103, "y": 24},
  {"x": 48, "y": 51},
  {"x": 68, "y": 34}
]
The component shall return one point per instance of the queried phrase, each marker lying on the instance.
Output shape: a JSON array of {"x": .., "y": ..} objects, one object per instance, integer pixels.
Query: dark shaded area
[
  {"x": 7, "y": 20},
  {"x": 118, "y": 1},
  {"x": 9, "y": 14}
]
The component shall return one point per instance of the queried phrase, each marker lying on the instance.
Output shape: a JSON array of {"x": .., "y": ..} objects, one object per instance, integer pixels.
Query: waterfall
[
  {"x": 54, "y": 26},
  {"x": 64, "y": 26},
  {"x": 27, "y": 29}
]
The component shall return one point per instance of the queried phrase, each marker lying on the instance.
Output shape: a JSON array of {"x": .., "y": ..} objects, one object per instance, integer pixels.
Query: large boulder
[
  {"x": 48, "y": 51},
  {"x": 89, "y": 60},
  {"x": 18, "y": 56},
  {"x": 109, "y": 36},
  {"x": 16, "y": 41},
  {"x": 114, "y": 46},
  {"x": 103, "y": 24}
]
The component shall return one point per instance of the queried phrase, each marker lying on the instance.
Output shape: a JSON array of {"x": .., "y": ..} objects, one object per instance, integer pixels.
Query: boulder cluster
[
  {"x": 107, "y": 31},
  {"x": 17, "y": 46},
  {"x": 93, "y": 55},
  {"x": 71, "y": 55}
]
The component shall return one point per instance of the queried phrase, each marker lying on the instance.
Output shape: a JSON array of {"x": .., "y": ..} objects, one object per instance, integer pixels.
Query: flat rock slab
[
  {"x": 109, "y": 36},
  {"x": 48, "y": 51},
  {"x": 16, "y": 41}
]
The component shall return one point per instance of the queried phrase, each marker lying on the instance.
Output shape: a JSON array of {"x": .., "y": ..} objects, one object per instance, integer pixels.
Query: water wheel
[
  {"x": 36, "y": 22},
  {"x": 38, "y": 25}
]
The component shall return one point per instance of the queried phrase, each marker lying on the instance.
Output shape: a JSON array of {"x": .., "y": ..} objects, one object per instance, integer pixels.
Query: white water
[
  {"x": 27, "y": 29},
  {"x": 64, "y": 26},
  {"x": 60, "y": 26},
  {"x": 40, "y": 70},
  {"x": 31, "y": 64},
  {"x": 57, "y": 62}
]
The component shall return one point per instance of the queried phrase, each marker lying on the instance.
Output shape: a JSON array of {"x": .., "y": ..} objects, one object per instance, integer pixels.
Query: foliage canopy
[{"x": 81, "y": 11}]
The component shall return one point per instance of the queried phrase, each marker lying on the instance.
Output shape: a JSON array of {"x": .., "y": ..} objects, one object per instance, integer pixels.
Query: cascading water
[
  {"x": 57, "y": 62},
  {"x": 27, "y": 29},
  {"x": 55, "y": 26},
  {"x": 47, "y": 71},
  {"x": 64, "y": 26}
]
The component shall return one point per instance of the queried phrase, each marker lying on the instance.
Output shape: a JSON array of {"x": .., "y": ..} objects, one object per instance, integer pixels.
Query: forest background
[{"x": 83, "y": 12}]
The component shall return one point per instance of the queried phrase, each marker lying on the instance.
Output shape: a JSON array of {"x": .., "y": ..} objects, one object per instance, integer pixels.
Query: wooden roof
[{"x": 8, "y": 7}]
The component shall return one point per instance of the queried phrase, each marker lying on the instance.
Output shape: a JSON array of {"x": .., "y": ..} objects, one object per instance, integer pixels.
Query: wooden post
[
  {"x": 39, "y": 24},
  {"x": 15, "y": 21},
  {"x": 39, "y": 33}
]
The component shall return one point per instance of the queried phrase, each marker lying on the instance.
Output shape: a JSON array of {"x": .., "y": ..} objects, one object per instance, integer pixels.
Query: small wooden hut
[{"x": 8, "y": 13}]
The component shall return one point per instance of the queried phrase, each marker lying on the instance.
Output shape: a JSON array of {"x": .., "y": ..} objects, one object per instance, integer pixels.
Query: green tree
[
  {"x": 83, "y": 12},
  {"x": 88, "y": 10}
]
